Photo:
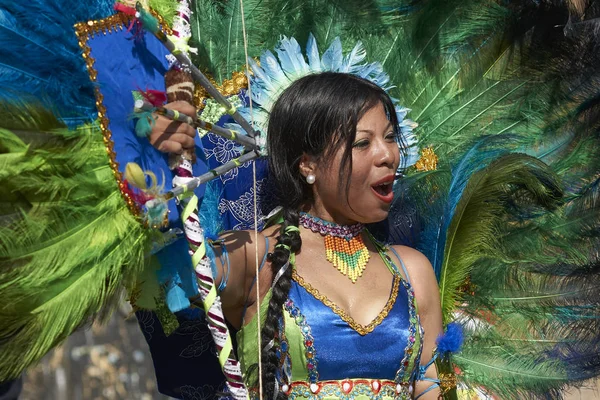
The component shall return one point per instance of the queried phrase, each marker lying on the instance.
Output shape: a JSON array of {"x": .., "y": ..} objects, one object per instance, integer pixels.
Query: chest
[{"x": 320, "y": 342}]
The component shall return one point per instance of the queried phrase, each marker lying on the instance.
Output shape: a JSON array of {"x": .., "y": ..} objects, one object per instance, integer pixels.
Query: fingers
[
  {"x": 171, "y": 136},
  {"x": 168, "y": 141},
  {"x": 183, "y": 107},
  {"x": 175, "y": 127},
  {"x": 170, "y": 146}
]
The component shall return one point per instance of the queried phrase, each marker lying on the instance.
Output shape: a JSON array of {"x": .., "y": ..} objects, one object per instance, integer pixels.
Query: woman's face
[{"x": 375, "y": 158}]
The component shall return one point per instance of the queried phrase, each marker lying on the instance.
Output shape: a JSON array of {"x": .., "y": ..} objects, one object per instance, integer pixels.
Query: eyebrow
[{"x": 389, "y": 125}]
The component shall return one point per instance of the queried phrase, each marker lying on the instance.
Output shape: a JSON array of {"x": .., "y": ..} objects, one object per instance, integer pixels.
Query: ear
[{"x": 307, "y": 165}]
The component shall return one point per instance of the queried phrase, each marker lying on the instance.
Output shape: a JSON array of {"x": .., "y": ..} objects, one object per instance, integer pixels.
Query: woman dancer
[{"x": 339, "y": 308}]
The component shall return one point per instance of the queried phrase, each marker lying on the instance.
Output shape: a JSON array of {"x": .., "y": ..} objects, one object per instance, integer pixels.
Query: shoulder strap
[
  {"x": 401, "y": 264},
  {"x": 382, "y": 250},
  {"x": 262, "y": 264}
]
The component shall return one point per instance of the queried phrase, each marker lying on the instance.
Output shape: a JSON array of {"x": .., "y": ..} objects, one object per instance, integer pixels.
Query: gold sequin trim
[
  {"x": 361, "y": 329},
  {"x": 86, "y": 31},
  {"x": 447, "y": 382},
  {"x": 114, "y": 23},
  {"x": 428, "y": 160},
  {"x": 230, "y": 87}
]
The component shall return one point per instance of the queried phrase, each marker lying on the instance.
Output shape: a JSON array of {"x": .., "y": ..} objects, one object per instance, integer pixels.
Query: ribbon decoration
[{"x": 194, "y": 232}]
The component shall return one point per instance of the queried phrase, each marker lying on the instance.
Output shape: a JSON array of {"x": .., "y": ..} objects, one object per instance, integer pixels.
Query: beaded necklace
[{"x": 344, "y": 245}]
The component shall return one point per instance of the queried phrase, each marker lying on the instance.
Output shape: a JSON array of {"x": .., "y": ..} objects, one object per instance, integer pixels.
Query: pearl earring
[{"x": 310, "y": 179}]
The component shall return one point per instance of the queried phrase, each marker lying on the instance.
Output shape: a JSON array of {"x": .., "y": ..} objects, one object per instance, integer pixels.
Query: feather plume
[
  {"x": 41, "y": 57},
  {"x": 210, "y": 218},
  {"x": 64, "y": 259},
  {"x": 478, "y": 210}
]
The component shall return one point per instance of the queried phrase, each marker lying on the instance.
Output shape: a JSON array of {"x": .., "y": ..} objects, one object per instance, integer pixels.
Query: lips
[{"x": 383, "y": 189}]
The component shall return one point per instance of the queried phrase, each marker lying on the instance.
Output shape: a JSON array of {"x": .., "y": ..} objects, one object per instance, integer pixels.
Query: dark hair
[{"x": 316, "y": 115}]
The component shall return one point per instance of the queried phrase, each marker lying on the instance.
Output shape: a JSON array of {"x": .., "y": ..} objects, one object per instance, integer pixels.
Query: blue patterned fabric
[
  {"x": 184, "y": 362},
  {"x": 236, "y": 207}
]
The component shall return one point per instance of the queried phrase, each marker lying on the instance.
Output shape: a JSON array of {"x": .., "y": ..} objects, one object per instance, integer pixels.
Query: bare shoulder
[
  {"x": 422, "y": 277},
  {"x": 244, "y": 245},
  {"x": 416, "y": 263},
  {"x": 238, "y": 256}
]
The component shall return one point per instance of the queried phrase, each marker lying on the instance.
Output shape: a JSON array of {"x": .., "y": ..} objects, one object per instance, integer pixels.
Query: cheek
[
  {"x": 361, "y": 170},
  {"x": 328, "y": 185}
]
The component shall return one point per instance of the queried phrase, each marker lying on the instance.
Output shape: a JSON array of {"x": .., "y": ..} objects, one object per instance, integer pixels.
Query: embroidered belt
[{"x": 348, "y": 389}]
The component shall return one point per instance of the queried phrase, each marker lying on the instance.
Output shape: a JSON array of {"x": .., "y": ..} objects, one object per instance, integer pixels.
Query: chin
[{"x": 376, "y": 216}]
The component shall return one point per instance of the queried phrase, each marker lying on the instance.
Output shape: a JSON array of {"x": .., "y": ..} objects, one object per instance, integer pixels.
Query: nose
[{"x": 388, "y": 154}]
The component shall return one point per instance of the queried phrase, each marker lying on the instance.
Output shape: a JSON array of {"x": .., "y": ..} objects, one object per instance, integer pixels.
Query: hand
[{"x": 170, "y": 136}]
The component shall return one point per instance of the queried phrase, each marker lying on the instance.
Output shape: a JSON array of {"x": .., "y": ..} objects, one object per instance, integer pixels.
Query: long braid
[{"x": 288, "y": 239}]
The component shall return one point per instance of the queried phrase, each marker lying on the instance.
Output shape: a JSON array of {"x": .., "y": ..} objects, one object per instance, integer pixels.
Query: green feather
[
  {"x": 165, "y": 8},
  {"x": 473, "y": 231},
  {"x": 66, "y": 257}
]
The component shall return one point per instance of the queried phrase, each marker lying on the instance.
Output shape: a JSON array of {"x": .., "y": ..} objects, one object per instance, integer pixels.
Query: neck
[{"x": 320, "y": 211}]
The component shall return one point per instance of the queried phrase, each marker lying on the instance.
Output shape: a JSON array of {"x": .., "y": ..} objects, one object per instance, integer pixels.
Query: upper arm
[
  {"x": 246, "y": 253},
  {"x": 427, "y": 296},
  {"x": 236, "y": 261}
]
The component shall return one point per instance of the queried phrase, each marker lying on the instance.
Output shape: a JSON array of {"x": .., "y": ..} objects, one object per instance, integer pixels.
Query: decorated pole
[
  {"x": 175, "y": 115},
  {"x": 193, "y": 182},
  {"x": 180, "y": 86},
  {"x": 151, "y": 24}
]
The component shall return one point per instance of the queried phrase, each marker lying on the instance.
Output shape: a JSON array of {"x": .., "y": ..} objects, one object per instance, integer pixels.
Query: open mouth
[{"x": 384, "y": 191}]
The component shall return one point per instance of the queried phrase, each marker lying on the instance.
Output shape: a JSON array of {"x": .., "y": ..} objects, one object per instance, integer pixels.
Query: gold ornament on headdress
[{"x": 428, "y": 160}]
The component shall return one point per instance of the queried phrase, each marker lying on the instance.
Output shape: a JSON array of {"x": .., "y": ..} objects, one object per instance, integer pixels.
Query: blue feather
[
  {"x": 312, "y": 52},
  {"x": 176, "y": 273},
  {"x": 451, "y": 341},
  {"x": 175, "y": 296},
  {"x": 291, "y": 58},
  {"x": 210, "y": 218},
  {"x": 41, "y": 56},
  {"x": 144, "y": 124},
  {"x": 271, "y": 67},
  {"x": 479, "y": 156},
  {"x": 552, "y": 149},
  {"x": 260, "y": 79},
  {"x": 352, "y": 60},
  {"x": 332, "y": 58}
]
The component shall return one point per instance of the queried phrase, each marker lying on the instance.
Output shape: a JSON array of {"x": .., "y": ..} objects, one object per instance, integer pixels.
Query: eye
[
  {"x": 361, "y": 144},
  {"x": 391, "y": 136}
]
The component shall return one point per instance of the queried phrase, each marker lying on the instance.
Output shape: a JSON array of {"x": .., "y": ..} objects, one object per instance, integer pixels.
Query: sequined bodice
[
  {"x": 341, "y": 348},
  {"x": 324, "y": 350}
]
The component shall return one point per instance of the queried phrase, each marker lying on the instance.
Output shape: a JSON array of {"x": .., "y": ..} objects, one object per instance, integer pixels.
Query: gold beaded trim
[
  {"x": 230, "y": 87},
  {"x": 112, "y": 24},
  {"x": 85, "y": 31},
  {"x": 361, "y": 329}
]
